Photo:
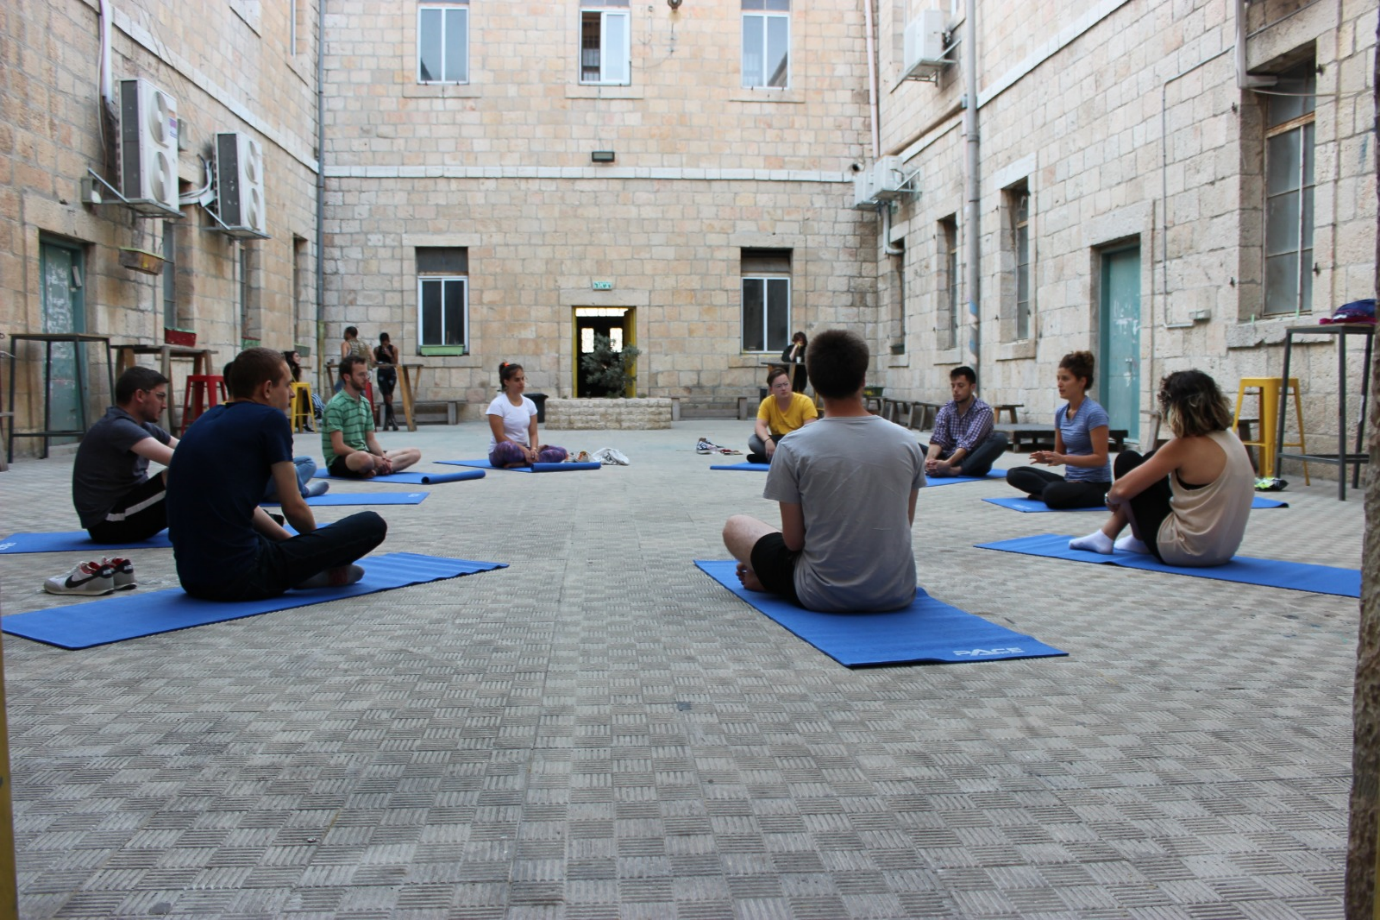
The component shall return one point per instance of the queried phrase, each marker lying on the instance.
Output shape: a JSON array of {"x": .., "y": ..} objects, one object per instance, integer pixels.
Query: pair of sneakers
[{"x": 94, "y": 579}]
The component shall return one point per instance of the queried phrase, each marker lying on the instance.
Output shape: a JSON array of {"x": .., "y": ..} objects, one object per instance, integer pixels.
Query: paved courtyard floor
[{"x": 602, "y": 731}]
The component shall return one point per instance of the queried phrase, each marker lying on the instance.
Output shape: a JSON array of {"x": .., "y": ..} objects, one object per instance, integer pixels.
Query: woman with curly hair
[{"x": 1187, "y": 503}]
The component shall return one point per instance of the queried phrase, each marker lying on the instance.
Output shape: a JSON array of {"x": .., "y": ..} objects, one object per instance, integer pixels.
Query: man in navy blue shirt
[
  {"x": 227, "y": 547},
  {"x": 963, "y": 442}
]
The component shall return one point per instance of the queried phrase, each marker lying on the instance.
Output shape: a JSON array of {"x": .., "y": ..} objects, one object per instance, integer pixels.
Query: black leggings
[
  {"x": 1054, "y": 490},
  {"x": 1150, "y": 507}
]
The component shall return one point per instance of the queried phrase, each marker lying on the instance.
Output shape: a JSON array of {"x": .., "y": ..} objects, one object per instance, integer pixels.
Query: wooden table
[
  {"x": 49, "y": 339},
  {"x": 200, "y": 358},
  {"x": 405, "y": 380},
  {"x": 1029, "y": 436}
]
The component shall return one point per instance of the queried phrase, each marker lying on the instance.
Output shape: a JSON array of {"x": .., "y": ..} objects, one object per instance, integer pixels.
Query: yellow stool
[
  {"x": 1267, "y": 389},
  {"x": 301, "y": 406}
]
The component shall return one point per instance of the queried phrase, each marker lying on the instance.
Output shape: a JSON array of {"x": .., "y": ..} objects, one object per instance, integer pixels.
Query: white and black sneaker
[
  {"x": 89, "y": 578},
  {"x": 124, "y": 573}
]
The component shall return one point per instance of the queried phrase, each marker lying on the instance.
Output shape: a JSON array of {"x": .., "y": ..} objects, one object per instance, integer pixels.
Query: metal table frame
[
  {"x": 1341, "y": 331},
  {"x": 77, "y": 339}
]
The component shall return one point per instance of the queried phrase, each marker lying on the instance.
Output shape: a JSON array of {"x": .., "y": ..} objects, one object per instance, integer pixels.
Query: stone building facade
[
  {"x": 240, "y": 66},
  {"x": 1133, "y": 198},
  {"x": 595, "y": 167},
  {"x": 504, "y": 181}
]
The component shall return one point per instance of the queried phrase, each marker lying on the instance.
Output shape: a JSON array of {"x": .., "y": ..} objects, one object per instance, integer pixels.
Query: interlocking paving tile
[{"x": 599, "y": 730}]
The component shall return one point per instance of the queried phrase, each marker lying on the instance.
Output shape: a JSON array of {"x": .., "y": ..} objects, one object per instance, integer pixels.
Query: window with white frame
[
  {"x": 605, "y": 46},
  {"x": 766, "y": 299},
  {"x": 1289, "y": 191},
  {"x": 1018, "y": 242},
  {"x": 949, "y": 311},
  {"x": 766, "y": 43},
  {"x": 443, "y": 42},
  {"x": 443, "y": 298}
]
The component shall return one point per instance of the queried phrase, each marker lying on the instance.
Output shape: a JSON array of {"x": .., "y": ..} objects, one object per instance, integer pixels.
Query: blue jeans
[
  {"x": 281, "y": 564},
  {"x": 306, "y": 469}
]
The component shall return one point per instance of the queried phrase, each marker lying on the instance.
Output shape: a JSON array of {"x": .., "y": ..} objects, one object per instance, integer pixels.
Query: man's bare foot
[{"x": 749, "y": 578}]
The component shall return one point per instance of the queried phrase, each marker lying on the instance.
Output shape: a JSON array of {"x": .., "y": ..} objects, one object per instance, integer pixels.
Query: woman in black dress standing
[{"x": 794, "y": 357}]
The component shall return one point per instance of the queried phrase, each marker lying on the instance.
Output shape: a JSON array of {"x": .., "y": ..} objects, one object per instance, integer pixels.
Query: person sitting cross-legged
[
  {"x": 226, "y": 547},
  {"x": 347, "y": 430},
  {"x": 512, "y": 419},
  {"x": 116, "y": 499},
  {"x": 963, "y": 442},
  {"x": 1187, "y": 502},
  {"x": 846, "y": 488},
  {"x": 782, "y": 412}
]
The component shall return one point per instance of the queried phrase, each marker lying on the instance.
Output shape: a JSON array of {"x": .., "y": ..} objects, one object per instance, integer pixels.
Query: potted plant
[{"x": 607, "y": 372}]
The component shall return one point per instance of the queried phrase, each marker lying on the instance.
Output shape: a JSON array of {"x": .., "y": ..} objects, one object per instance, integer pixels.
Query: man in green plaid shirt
[{"x": 347, "y": 430}]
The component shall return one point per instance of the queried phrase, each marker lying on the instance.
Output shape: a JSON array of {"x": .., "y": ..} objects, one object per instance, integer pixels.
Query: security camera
[
  {"x": 856, "y": 167},
  {"x": 673, "y": 4}
]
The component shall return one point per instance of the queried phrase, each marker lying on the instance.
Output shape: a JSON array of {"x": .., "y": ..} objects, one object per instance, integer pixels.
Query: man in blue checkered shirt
[{"x": 963, "y": 442}]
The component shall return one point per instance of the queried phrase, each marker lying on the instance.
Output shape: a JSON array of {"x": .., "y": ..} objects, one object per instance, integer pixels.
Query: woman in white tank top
[{"x": 1188, "y": 502}]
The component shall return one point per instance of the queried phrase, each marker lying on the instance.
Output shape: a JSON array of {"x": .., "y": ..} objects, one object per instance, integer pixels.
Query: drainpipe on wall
[
  {"x": 107, "y": 84},
  {"x": 971, "y": 236},
  {"x": 320, "y": 191},
  {"x": 872, "y": 80}
]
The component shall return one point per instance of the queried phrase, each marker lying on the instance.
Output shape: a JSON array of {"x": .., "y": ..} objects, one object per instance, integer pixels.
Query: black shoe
[{"x": 758, "y": 458}]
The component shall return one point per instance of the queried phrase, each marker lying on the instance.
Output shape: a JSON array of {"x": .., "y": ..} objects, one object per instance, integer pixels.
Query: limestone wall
[
  {"x": 230, "y": 67},
  {"x": 601, "y": 414}
]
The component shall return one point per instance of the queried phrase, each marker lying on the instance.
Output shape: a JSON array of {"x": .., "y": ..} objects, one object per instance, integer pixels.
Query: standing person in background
[
  {"x": 794, "y": 356},
  {"x": 351, "y": 345},
  {"x": 386, "y": 359},
  {"x": 513, "y": 425},
  {"x": 1081, "y": 428}
]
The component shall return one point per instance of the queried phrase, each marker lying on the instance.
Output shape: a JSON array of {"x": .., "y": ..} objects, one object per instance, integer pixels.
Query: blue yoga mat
[
  {"x": 339, "y": 499},
  {"x": 926, "y": 631},
  {"x": 1031, "y": 506},
  {"x": 743, "y": 467},
  {"x": 409, "y": 477},
  {"x": 534, "y": 468},
  {"x": 131, "y": 615},
  {"x": 1269, "y": 573},
  {"x": 73, "y": 541}
]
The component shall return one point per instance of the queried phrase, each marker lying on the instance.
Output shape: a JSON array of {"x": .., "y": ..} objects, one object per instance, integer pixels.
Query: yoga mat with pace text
[
  {"x": 1269, "y": 573},
  {"x": 101, "y": 621},
  {"x": 928, "y": 631}
]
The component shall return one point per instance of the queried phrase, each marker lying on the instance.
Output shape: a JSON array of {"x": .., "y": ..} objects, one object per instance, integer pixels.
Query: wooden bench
[
  {"x": 1028, "y": 437},
  {"x": 1009, "y": 409}
]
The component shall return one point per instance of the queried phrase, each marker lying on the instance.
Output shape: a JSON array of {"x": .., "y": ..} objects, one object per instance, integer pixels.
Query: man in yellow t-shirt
[{"x": 782, "y": 412}]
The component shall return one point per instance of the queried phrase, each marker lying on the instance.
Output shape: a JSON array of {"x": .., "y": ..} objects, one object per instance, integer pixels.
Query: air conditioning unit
[
  {"x": 888, "y": 179},
  {"x": 148, "y": 148},
  {"x": 865, "y": 188},
  {"x": 240, "y": 184},
  {"x": 924, "y": 46}
]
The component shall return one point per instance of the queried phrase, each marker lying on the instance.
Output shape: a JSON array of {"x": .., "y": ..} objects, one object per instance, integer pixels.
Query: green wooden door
[
  {"x": 64, "y": 310},
  {"x": 1119, "y": 392}
]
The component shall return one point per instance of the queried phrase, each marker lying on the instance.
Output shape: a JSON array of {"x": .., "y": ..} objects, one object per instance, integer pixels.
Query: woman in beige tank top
[{"x": 1187, "y": 503}]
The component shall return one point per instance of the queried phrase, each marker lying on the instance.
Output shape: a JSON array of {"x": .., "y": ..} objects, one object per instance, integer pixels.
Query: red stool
[{"x": 202, "y": 390}]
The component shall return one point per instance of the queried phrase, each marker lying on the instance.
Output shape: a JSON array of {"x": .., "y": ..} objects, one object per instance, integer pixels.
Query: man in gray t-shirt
[
  {"x": 114, "y": 496},
  {"x": 846, "y": 488}
]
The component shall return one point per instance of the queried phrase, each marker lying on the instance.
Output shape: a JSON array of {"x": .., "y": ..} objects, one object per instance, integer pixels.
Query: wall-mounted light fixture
[{"x": 602, "y": 156}]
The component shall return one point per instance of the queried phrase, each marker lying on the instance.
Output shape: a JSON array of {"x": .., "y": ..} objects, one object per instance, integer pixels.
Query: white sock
[
  {"x": 1097, "y": 542},
  {"x": 1132, "y": 544}
]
